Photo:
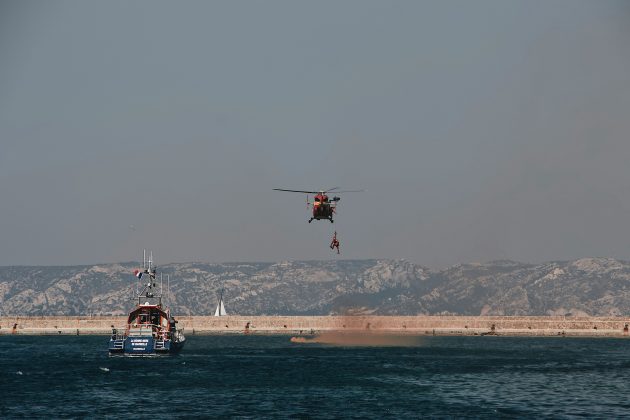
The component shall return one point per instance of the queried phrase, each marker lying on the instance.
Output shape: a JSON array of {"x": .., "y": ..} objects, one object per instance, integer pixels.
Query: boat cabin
[{"x": 148, "y": 320}]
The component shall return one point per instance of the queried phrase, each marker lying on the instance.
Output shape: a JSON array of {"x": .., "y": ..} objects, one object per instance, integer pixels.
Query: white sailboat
[{"x": 220, "y": 311}]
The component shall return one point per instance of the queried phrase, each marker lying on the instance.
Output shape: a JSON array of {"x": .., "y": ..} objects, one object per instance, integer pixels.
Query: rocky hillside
[{"x": 589, "y": 286}]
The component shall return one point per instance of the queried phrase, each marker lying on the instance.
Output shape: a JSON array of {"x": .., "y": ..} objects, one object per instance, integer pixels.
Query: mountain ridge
[{"x": 587, "y": 286}]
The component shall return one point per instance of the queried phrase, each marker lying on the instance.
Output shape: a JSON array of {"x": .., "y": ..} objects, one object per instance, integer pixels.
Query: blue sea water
[{"x": 268, "y": 376}]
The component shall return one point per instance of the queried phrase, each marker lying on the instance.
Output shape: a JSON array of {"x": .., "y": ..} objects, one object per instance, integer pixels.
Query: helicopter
[{"x": 323, "y": 207}]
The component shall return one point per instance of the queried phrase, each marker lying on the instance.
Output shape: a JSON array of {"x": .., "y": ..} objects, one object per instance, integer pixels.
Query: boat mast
[{"x": 220, "y": 302}]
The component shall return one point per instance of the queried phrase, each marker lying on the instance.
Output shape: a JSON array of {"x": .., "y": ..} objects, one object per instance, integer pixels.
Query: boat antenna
[{"x": 144, "y": 268}]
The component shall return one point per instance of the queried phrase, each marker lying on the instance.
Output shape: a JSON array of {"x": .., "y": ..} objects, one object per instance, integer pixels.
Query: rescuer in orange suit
[{"x": 335, "y": 243}]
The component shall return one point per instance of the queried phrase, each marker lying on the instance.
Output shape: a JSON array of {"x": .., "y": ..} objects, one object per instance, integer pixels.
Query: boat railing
[
  {"x": 141, "y": 330},
  {"x": 118, "y": 333}
]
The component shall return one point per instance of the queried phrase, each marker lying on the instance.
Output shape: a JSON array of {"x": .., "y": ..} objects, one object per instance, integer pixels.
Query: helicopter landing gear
[
  {"x": 310, "y": 220},
  {"x": 331, "y": 220}
]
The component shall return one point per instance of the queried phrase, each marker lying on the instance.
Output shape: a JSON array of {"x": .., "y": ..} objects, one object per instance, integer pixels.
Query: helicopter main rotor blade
[
  {"x": 347, "y": 191},
  {"x": 331, "y": 189},
  {"x": 297, "y": 191}
]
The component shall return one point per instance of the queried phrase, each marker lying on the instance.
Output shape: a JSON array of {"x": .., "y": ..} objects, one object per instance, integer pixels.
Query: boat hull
[{"x": 143, "y": 346}]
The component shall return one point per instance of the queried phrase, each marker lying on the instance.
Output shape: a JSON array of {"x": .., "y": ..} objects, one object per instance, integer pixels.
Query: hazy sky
[{"x": 481, "y": 129}]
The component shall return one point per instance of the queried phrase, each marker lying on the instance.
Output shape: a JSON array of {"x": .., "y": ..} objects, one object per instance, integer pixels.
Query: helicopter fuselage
[{"x": 323, "y": 208}]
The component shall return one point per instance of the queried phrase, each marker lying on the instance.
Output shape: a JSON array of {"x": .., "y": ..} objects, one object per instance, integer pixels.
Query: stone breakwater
[{"x": 419, "y": 325}]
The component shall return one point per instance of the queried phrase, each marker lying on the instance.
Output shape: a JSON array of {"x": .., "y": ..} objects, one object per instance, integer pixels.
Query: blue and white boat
[{"x": 151, "y": 330}]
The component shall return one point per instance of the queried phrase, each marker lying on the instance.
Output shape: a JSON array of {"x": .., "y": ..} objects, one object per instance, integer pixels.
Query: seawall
[{"x": 423, "y": 325}]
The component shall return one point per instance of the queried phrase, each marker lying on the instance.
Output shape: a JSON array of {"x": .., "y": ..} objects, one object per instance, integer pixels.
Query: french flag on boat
[{"x": 137, "y": 273}]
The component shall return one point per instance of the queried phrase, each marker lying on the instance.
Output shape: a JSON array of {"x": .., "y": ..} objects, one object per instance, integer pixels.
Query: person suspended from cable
[{"x": 335, "y": 243}]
